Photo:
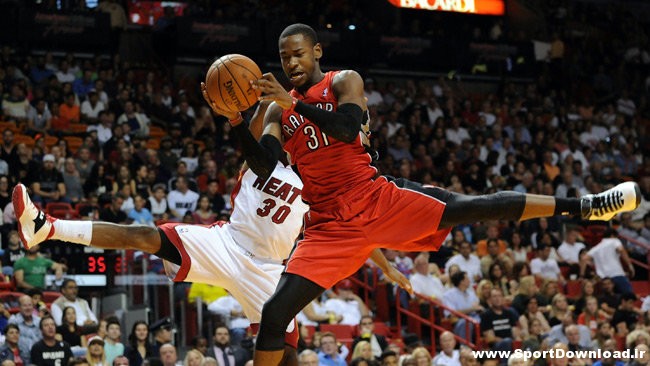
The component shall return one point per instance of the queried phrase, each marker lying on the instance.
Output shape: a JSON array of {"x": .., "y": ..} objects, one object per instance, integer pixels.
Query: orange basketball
[{"x": 228, "y": 82}]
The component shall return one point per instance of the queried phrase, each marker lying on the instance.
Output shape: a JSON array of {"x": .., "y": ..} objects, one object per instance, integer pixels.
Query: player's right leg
[
  {"x": 35, "y": 227},
  {"x": 293, "y": 293}
]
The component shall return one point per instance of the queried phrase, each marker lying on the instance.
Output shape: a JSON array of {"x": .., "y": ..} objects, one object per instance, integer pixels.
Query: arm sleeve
[
  {"x": 344, "y": 124},
  {"x": 262, "y": 156}
]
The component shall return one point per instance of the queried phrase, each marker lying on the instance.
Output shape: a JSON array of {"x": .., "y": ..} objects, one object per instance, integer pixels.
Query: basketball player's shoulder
[
  {"x": 346, "y": 75},
  {"x": 346, "y": 79}
]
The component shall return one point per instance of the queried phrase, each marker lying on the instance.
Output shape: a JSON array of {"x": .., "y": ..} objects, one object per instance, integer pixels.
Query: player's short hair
[{"x": 299, "y": 28}]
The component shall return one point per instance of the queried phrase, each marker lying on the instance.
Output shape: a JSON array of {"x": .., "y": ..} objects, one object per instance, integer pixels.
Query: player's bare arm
[
  {"x": 343, "y": 125},
  {"x": 391, "y": 272}
]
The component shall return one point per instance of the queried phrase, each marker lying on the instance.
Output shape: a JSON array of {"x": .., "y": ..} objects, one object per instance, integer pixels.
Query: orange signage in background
[{"x": 485, "y": 7}]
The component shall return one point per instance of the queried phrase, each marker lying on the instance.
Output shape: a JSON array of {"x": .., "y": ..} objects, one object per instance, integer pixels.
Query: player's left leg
[
  {"x": 510, "y": 205},
  {"x": 290, "y": 357}
]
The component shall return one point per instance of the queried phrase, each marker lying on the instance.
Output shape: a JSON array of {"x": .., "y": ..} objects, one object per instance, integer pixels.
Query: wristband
[
  {"x": 294, "y": 102},
  {"x": 237, "y": 120}
]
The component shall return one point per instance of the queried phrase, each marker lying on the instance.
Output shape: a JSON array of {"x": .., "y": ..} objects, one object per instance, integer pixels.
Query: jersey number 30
[{"x": 278, "y": 216}]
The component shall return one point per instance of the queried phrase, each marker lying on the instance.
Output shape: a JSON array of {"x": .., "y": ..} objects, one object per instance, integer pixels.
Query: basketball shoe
[
  {"x": 605, "y": 205},
  {"x": 34, "y": 225}
]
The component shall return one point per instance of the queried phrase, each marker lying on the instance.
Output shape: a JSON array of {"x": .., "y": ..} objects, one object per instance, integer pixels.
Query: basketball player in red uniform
[
  {"x": 244, "y": 256},
  {"x": 353, "y": 210}
]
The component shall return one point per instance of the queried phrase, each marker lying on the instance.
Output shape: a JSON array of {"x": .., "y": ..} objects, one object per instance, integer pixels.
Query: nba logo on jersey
[{"x": 325, "y": 92}]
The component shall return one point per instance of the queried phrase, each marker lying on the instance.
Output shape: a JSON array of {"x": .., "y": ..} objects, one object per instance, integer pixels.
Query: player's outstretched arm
[
  {"x": 261, "y": 157},
  {"x": 344, "y": 124},
  {"x": 391, "y": 272}
]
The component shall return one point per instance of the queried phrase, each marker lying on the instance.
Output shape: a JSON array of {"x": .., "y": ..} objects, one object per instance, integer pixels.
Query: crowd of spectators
[{"x": 132, "y": 145}]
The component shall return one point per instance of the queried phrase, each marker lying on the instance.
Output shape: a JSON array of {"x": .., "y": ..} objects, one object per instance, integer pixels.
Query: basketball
[{"x": 228, "y": 82}]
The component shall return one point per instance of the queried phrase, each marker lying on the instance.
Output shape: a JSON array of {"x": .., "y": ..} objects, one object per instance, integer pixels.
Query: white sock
[{"x": 78, "y": 232}]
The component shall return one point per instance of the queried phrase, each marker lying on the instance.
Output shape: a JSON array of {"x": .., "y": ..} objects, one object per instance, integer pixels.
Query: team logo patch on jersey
[
  {"x": 325, "y": 92},
  {"x": 183, "y": 230}
]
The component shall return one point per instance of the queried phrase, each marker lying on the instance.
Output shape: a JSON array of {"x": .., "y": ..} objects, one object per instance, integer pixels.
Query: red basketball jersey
[{"x": 328, "y": 167}]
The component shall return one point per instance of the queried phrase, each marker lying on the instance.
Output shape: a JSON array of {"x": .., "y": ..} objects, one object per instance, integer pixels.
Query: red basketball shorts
[{"x": 340, "y": 237}]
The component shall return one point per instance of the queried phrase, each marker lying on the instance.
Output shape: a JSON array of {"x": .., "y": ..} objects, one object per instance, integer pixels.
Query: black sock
[{"x": 567, "y": 206}]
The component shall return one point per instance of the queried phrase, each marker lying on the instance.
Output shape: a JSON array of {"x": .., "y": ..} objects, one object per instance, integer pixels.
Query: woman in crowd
[
  {"x": 363, "y": 350},
  {"x": 532, "y": 312},
  {"x": 139, "y": 347},
  {"x": 193, "y": 358},
  {"x": 204, "y": 214},
  {"x": 592, "y": 315},
  {"x": 483, "y": 292},
  {"x": 68, "y": 330},
  {"x": 559, "y": 309}
]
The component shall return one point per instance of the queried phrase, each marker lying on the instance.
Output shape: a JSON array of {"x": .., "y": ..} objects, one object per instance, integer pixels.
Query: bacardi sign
[{"x": 486, "y": 7}]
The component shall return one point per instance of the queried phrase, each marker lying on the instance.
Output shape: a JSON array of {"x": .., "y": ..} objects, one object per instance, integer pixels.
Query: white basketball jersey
[{"x": 268, "y": 216}]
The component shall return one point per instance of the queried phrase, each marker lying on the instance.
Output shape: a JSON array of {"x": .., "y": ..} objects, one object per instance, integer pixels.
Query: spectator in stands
[
  {"x": 139, "y": 214},
  {"x": 12, "y": 254},
  {"x": 605, "y": 332},
  {"x": 467, "y": 357},
  {"x": 168, "y": 355},
  {"x": 558, "y": 332},
  {"x": 644, "y": 360},
  {"x": 559, "y": 310},
  {"x": 404, "y": 263},
  {"x": 48, "y": 185},
  {"x": 193, "y": 358},
  {"x": 494, "y": 256},
  {"x": 104, "y": 128},
  {"x": 68, "y": 329},
  {"x": 48, "y": 351},
  {"x": 362, "y": 350},
  {"x": 139, "y": 347},
  {"x": 200, "y": 344},
  {"x": 91, "y": 108},
  {"x": 609, "y": 349},
  {"x": 606, "y": 257},
  {"x": 182, "y": 199},
  {"x": 222, "y": 348},
  {"x": 421, "y": 356},
  {"x": 114, "y": 212},
  {"x": 162, "y": 333},
  {"x": 232, "y": 313},
  {"x": 492, "y": 233},
  {"x": 463, "y": 299},
  {"x": 120, "y": 361},
  {"x": 15, "y": 105},
  {"x": 466, "y": 260},
  {"x": 70, "y": 292},
  {"x": 39, "y": 119},
  {"x": 544, "y": 267},
  {"x": 74, "y": 192},
  {"x": 329, "y": 353},
  {"x": 423, "y": 282},
  {"x": 138, "y": 123},
  {"x": 626, "y": 316},
  {"x": 11, "y": 349},
  {"x": 349, "y": 305},
  {"x": 30, "y": 271},
  {"x": 499, "y": 324},
  {"x": 158, "y": 202},
  {"x": 532, "y": 313},
  {"x": 483, "y": 290},
  {"x": 527, "y": 288},
  {"x": 182, "y": 171},
  {"x": 308, "y": 358},
  {"x": 569, "y": 250},
  {"x": 113, "y": 346},
  {"x": 69, "y": 111},
  {"x": 591, "y": 316},
  {"x": 449, "y": 355},
  {"x": 96, "y": 354},
  {"x": 367, "y": 333}
]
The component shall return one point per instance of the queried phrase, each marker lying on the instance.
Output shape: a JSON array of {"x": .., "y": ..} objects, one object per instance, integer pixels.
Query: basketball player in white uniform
[{"x": 245, "y": 256}]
